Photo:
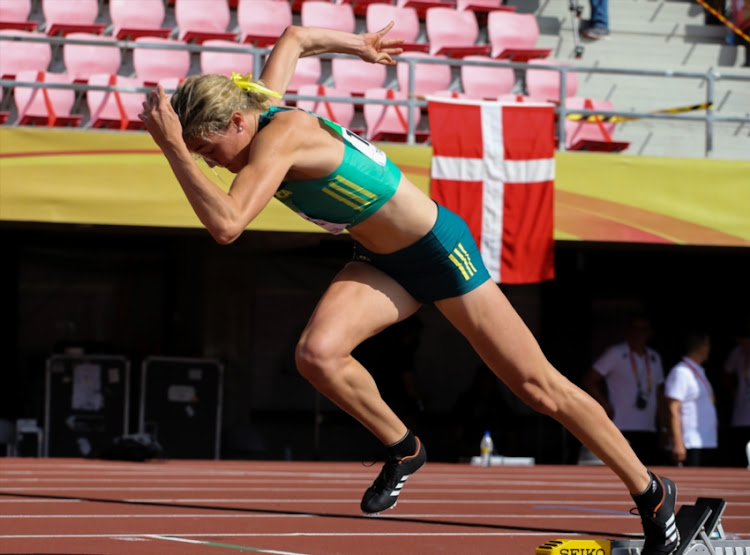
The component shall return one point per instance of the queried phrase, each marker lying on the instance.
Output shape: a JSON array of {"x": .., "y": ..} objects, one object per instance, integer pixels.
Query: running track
[{"x": 222, "y": 507}]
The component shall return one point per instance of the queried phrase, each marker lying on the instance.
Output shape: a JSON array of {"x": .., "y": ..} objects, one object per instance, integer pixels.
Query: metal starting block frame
[{"x": 701, "y": 533}]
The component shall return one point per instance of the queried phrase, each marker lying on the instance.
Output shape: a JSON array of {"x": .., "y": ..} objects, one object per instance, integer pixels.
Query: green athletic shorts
[{"x": 444, "y": 263}]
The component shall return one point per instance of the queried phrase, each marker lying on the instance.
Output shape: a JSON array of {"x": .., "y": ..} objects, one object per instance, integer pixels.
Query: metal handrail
[{"x": 413, "y": 101}]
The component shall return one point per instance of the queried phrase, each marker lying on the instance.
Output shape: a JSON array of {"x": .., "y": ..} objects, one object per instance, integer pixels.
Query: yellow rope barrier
[
  {"x": 618, "y": 119},
  {"x": 724, "y": 20}
]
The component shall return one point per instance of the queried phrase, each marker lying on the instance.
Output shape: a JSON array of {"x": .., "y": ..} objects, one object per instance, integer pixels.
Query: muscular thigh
[{"x": 360, "y": 302}]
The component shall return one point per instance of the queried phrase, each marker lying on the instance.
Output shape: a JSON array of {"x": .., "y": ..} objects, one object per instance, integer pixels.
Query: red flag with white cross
[{"x": 493, "y": 164}]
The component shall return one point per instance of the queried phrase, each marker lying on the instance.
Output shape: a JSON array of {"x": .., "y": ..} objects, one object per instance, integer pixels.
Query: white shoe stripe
[{"x": 671, "y": 519}]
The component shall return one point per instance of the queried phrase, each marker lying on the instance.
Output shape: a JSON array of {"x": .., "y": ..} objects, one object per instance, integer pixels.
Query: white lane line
[{"x": 238, "y": 547}]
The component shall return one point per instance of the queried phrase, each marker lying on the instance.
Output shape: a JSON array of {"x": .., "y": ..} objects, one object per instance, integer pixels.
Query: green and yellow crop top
[{"x": 363, "y": 182}]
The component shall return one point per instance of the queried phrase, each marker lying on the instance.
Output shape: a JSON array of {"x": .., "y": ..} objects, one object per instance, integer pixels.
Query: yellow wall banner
[{"x": 121, "y": 178}]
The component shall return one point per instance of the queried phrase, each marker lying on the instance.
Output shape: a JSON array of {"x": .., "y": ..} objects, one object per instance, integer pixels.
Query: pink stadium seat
[
  {"x": 360, "y": 7},
  {"x": 389, "y": 123},
  {"x": 356, "y": 76},
  {"x": 484, "y": 82},
  {"x": 43, "y": 106},
  {"x": 14, "y": 14},
  {"x": 514, "y": 36},
  {"x": 482, "y": 8},
  {"x": 338, "y": 112},
  {"x": 84, "y": 60},
  {"x": 262, "y": 22},
  {"x": 224, "y": 63},
  {"x": 308, "y": 72},
  {"x": 453, "y": 33},
  {"x": 152, "y": 64},
  {"x": 200, "y": 20},
  {"x": 71, "y": 16},
  {"x": 591, "y": 135},
  {"x": 544, "y": 84},
  {"x": 138, "y": 18},
  {"x": 423, "y": 5},
  {"x": 316, "y": 13},
  {"x": 405, "y": 24},
  {"x": 428, "y": 78},
  {"x": 18, "y": 55},
  {"x": 114, "y": 109}
]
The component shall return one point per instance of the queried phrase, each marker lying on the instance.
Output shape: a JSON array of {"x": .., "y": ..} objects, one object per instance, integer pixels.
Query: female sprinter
[{"x": 408, "y": 251}]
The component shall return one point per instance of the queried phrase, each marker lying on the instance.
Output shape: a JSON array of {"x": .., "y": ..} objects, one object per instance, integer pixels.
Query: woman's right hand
[{"x": 378, "y": 50}]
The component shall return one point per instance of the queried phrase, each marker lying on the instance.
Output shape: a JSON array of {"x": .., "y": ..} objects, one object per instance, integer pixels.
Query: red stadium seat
[
  {"x": 581, "y": 134},
  {"x": 484, "y": 82},
  {"x": 482, "y": 8},
  {"x": 45, "y": 106},
  {"x": 307, "y": 72},
  {"x": 316, "y": 13},
  {"x": 453, "y": 33},
  {"x": 138, "y": 18},
  {"x": 201, "y": 20},
  {"x": 356, "y": 76},
  {"x": 428, "y": 78},
  {"x": 262, "y": 22},
  {"x": 114, "y": 109},
  {"x": 84, "y": 60},
  {"x": 151, "y": 64},
  {"x": 360, "y": 7},
  {"x": 224, "y": 63},
  {"x": 423, "y": 5},
  {"x": 19, "y": 55},
  {"x": 405, "y": 24},
  {"x": 71, "y": 16}
]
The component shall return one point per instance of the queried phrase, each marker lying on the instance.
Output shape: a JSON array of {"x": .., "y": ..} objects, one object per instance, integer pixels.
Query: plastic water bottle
[{"x": 486, "y": 447}]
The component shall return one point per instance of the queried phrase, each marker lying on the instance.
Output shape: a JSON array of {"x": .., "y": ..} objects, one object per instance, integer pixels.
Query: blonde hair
[{"x": 205, "y": 104}]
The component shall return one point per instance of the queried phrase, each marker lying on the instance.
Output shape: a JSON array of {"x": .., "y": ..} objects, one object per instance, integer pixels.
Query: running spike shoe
[
  {"x": 384, "y": 491},
  {"x": 656, "y": 509}
]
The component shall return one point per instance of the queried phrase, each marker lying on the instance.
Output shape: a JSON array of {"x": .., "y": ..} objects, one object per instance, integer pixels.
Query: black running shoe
[
  {"x": 656, "y": 509},
  {"x": 384, "y": 491}
]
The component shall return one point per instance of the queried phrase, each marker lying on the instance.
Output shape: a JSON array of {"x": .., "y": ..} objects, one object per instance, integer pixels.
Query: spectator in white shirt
[{"x": 692, "y": 410}]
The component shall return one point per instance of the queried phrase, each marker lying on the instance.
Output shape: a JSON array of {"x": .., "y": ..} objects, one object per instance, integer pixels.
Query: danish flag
[{"x": 493, "y": 164}]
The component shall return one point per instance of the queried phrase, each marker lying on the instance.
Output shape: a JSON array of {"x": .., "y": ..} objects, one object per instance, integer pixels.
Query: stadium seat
[
  {"x": 316, "y": 13},
  {"x": 114, "y": 109},
  {"x": 71, "y": 16},
  {"x": 360, "y": 7},
  {"x": 509, "y": 97},
  {"x": 405, "y": 24},
  {"x": 151, "y": 64},
  {"x": 484, "y": 82},
  {"x": 138, "y": 18},
  {"x": 581, "y": 134},
  {"x": 18, "y": 55},
  {"x": 423, "y": 5},
  {"x": 428, "y": 78},
  {"x": 43, "y": 106},
  {"x": 482, "y": 8},
  {"x": 453, "y": 33},
  {"x": 200, "y": 20},
  {"x": 84, "y": 60},
  {"x": 262, "y": 22},
  {"x": 14, "y": 14},
  {"x": 514, "y": 36},
  {"x": 389, "y": 123},
  {"x": 450, "y": 94},
  {"x": 356, "y": 76},
  {"x": 307, "y": 72},
  {"x": 224, "y": 63},
  {"x": 338, "y": 112},
  {"x": 544, "y": 84}
]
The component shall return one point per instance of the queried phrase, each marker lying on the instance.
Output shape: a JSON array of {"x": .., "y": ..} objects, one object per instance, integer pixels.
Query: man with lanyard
[
  {"x": 628, "y": 381},
  {"x": 692, "y": 406}
]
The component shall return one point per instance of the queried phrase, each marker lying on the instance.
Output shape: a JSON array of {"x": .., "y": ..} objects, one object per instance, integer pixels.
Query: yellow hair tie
[{"x": 246, "y": 83}]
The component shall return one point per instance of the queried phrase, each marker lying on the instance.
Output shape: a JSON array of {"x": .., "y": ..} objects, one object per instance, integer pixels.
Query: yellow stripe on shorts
[{"x": 464, "y": 264}]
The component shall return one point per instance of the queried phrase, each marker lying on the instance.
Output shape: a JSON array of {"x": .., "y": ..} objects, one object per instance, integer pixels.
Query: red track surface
[{"x": 86, "y": 506}]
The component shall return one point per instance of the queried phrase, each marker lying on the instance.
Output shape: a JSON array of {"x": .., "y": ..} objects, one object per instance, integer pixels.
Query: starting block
[{"x": 701, "y": 533}]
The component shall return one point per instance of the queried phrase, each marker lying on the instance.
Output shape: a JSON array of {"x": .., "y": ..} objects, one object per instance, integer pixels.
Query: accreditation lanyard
[
  {"x": 707, "y": 386},
  {"x": 634, "y": 366}
]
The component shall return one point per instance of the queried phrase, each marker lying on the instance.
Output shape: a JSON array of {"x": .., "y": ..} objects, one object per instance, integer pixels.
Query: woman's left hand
[
  {"x": 161, "y": 120},
  {"x": 378, "y": 50}
]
